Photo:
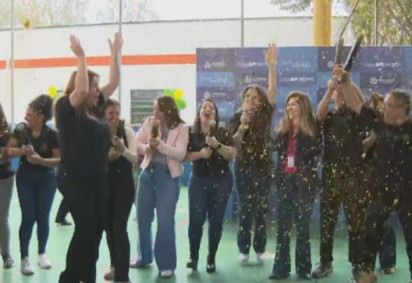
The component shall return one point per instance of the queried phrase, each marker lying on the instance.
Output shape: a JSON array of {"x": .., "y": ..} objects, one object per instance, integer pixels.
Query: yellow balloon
[
  {"x": 53, "y": 91},
  {"x": 27, "y": 24},
  {"x": 178, "y": 93}
]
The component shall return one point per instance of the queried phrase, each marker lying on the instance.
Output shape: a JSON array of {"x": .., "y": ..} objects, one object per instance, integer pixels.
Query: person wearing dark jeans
[
  {"x": 85, "y": 143},
  {"x": 122, "y": 155},
  {"x": 298, "y": 144},
  {"x": 38, "y": 148},
  {"x": 294, "y": 204},
  {"x": 211, "y": 181}
]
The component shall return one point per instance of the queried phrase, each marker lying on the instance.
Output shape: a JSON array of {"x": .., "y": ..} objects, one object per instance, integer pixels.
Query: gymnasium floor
[{"x": 228, "y": 267}]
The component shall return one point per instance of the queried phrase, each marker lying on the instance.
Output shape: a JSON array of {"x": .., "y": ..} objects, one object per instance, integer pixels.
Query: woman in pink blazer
[{"x": 163, "y": 139}]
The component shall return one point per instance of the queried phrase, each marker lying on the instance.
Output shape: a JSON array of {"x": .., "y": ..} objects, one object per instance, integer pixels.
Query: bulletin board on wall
[
  {"x": 141, "y": 104},
  {"x": 222, "y": 73}
]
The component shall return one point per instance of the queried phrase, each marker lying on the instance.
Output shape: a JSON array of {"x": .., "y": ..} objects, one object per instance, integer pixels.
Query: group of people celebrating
[{"x": 365, "y": 149}]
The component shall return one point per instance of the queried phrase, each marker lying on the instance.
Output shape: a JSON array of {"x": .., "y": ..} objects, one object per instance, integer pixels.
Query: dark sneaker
[
  {"x": 322, "y": 270},
  {"x": 305, "y": 276},
  {"x": 277, "y": 275}
]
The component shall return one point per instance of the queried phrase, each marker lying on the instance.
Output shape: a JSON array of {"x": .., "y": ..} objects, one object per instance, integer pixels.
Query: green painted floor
[{"x": 228, "y": 267}]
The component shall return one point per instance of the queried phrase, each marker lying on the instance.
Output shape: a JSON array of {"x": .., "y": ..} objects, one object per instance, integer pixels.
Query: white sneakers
[
  {"x": 166, "y": 273},
  {"x": 109, "y": 275},
  {"x": 26, "y": 268},
  {"x": 244, "y": 259},
  {"x": 44, "y": 262}
]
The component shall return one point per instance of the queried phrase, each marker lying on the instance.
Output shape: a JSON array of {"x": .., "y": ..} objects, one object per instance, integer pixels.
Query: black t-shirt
[
  {"x": 343, "y": 134},
  {"x": 215, "y": 165},
  {"x": 6, "y": 170},
  {"x": 393, "y": 149},
  {"x": 44, "y": 145},
  {"x": 84, "y": 140}
]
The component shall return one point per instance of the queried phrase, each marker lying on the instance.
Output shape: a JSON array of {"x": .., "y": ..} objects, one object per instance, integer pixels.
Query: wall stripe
[
  {"x": 3, "y": 64},
  {"x": 177, "y": 59}
]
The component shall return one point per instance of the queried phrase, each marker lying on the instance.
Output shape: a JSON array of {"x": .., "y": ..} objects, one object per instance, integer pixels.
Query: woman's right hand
[{"x": 76, "y": 47}]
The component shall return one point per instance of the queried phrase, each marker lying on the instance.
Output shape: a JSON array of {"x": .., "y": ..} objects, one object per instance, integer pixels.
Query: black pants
[
  {"x": 376, "y": 216},
  {"x": 63, "y": 210},
  {"x": 387, "y": 250},
  {"x": 121, "y": 198},
  {"x": 343, "y": 188},
  {"x": 87, "y": 199},
  {"x": 208, "y": 197}
]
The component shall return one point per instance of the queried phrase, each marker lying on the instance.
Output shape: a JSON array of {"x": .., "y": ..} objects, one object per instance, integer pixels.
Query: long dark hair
[
  {"x": 4, "y": 126},
  {"x": 168, "y": 107},
  {"x": 196, "y": 123}
]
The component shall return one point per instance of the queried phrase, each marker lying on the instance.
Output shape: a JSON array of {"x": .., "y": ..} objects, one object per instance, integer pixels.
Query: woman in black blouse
[
  {"x": 210, "y": 149},
  {"x": 38, "y": 148}
]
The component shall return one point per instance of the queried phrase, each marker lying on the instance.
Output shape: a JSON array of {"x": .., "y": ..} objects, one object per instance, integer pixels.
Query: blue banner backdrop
[{"x": 222, "y": 73}]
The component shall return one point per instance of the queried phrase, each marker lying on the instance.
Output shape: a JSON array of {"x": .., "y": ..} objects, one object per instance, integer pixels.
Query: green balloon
[
  {"x": 181, "y": 104},
  {"x": 169, "y": 92}
]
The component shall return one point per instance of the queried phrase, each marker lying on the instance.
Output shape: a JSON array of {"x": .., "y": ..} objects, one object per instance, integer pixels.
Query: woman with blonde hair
[
  {"x": 85, "y": 143},
  {"x": 298, "y": 146}
]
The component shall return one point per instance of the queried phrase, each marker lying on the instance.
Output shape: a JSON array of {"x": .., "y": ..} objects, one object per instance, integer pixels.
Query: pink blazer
[{"x": 175, "y": 148}]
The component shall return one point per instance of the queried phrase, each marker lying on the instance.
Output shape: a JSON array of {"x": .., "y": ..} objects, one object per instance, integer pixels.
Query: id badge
[{"x": 291, "y": 162}]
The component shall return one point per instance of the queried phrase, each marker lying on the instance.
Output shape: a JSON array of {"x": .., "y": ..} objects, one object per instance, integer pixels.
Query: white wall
[{"x": 177, "y": 37}]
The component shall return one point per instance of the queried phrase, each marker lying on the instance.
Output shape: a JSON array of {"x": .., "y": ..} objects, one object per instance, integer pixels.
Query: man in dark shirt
[
  {"x": 394, "y": 150},
  {"x": 343, "y": 166}
]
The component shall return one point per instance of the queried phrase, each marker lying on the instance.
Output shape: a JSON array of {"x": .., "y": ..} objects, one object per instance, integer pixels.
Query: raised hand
[
  {"x": 271, "y": 54},
  {"x": 116, "y": 44},
  {"x": 76, "y": 47}
]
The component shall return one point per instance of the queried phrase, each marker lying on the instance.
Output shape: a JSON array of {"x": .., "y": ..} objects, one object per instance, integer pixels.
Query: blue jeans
[
  {"x": 207, "y": 196},
  {"x": 36, "y": 190},
  {"x": 159, "y": 192},
  {"x": 293, "y": 200},
  {"x": 253, "y": 195}
]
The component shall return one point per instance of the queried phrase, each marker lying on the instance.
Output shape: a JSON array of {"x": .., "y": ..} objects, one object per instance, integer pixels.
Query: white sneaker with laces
[
  {"x": 244, "y": 259},
  {"x": 44, "y": 262},
  {"x": 26, "y": 268}
]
